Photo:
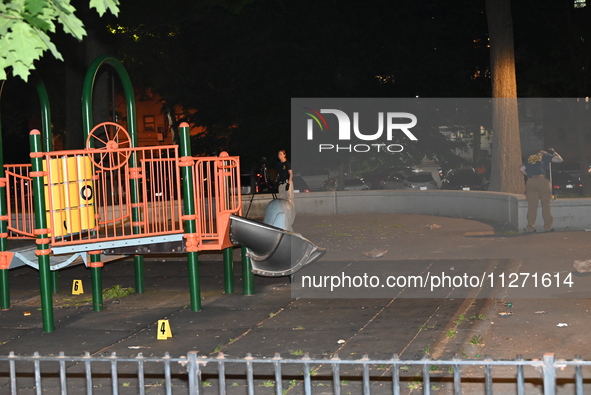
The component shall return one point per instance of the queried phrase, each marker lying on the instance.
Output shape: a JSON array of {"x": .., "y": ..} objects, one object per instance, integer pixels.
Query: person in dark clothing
[{"x": 284, "y": 177}]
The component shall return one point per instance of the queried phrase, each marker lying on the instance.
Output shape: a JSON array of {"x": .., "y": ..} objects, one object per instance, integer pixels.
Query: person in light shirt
[{"x": 538, "y": 187}]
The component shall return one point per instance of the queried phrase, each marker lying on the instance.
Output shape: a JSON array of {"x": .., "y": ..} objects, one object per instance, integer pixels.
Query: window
[{"x": 149, "y": 123}]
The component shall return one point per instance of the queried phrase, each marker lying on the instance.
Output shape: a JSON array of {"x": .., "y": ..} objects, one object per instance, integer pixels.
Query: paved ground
[{"x": 549, "y": 309}]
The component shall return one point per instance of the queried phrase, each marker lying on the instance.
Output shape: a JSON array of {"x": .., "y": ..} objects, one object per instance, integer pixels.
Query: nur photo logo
[{"x": 353, "y": 127}]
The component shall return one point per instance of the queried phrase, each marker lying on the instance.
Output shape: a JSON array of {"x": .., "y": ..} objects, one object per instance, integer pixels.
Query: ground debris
[
  {"x": 433, "y": 226},
  {"x": 375, "y": 253},
  {"x": 583, "y": 266}
]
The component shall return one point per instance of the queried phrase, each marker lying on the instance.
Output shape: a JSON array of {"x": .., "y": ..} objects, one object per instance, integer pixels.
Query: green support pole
[
  {"x": 229, "y": 270},
  {"x": 4, "y": 290},
  {"x": 46, "y": 144},
  {"x": 4, "y": 282},
  {"x": 41, "y": 225},
  {"x": 47, "y": 140},
  {"x": 46, "y": 136},
  {"x": 131, "y": 128},
  {"x": 247, "y": 276},
  {"x": 96, "y": 274},
  {"x": 138, "y": 262},
  {"x": 190, "y": 224},
  {"x": 55, "y": 281}
]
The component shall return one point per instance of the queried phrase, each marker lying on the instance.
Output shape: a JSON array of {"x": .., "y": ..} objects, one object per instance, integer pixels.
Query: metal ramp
[
  {"x": 273, "y": 251},
  {"x": 25, "y": 256}
]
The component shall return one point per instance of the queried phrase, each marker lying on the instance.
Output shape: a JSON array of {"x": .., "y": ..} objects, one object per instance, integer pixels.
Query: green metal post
[
  {"x": 4, "y": 282},
  {"x": 87, "y": 119},
  {"x": 55, "y": 281},
  {"x": 41, "y": 225},
  {"x": 247, "y": 276},
  {"x": 4, "y": 290},
  {"x": 47, "y": 143},
  {"x": 96, "y": 274},
  {"x": 228, "y": 252},
  {"x": 48, "y": 146},
  {"x": 229, "y": 270},
  {"x": 190, "y": 224},
  {"x": 45, "y": 113},
  {"x": 138, "y": 262}
]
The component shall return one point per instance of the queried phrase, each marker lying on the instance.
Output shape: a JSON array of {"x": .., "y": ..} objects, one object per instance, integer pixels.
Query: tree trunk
[
  {"x": 506, "y": 143},
  {"x": 581, "y": 125}
]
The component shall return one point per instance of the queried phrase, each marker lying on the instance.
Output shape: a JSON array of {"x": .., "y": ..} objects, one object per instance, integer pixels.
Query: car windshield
[
  {"x": 563, "y": 177},
  {"x": 424, "y": 177}
]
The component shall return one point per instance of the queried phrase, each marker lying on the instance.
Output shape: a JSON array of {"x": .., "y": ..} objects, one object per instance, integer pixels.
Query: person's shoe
[{"x": 551, "y": 230}]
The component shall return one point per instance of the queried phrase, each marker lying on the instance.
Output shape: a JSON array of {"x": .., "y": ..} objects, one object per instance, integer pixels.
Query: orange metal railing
[
  {"x": 88, "y": 195},
  {"x": 19, "y": 188},
  {"x": 218, "y": 195}
]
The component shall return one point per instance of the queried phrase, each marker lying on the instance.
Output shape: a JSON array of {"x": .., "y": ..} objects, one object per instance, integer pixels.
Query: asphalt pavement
[{"x": 508, "y": 293}]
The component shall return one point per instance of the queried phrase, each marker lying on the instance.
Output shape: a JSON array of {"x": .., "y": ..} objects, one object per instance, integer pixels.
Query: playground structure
[{"x": 113, "y": 198}]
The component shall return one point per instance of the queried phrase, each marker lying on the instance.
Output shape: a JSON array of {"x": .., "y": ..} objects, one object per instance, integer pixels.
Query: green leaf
[
  {"x": 70, "y": 22},
  {"x": 35, "y": 7},
  {"x": 39, "y": 23},
  {"x": 23, "y": 47},
  {"x": 24, "y": 25},
  {"x": 101, "y": 6},
  {"x": 24, "y": 36},
  {"x": 51, "y": 46},
  {"x": 15, "y": 7},
  {"x": 5, "y": 25}
]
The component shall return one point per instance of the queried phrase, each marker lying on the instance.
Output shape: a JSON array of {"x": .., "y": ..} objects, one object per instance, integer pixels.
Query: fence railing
[
  {"x": 19, "y": 202},
  {"x": 88, "y": 196},
  {"x": 194, "y": 374}
]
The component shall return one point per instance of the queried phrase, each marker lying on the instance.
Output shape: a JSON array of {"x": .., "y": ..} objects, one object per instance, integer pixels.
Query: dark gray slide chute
[{"x": 273, "y": 251}]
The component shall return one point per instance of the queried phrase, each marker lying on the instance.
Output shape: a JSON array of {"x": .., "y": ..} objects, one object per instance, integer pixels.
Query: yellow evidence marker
[
  {"x": 77, "y": 288},
  {"x": 164, "y": 331}
]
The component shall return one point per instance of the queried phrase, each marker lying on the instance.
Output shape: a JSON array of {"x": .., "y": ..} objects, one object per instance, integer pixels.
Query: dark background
[{"x": 240, "y": 62}]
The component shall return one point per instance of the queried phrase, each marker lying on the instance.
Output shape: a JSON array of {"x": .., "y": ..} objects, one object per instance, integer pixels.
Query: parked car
[
  {"x": 374, "y": 179},
  {"x": 300, "y": 185},
  {"x": 421, "y": 180},
  {"x": 350, "y": 184},
  {"x": 564, "y": 183},
  {"x": 464, "y": 180},
  {"x": 315, "y": 177},
  {"x": 393, "y": 181}
]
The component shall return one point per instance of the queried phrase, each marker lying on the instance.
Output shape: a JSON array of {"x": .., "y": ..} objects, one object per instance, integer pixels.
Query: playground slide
[{"x": 273, "y": 251}]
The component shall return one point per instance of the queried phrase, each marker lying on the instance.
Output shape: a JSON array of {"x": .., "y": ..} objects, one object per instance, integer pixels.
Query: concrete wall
[
  {"x": 568, "y": 214},
  {"x": 491, "y": 206},
  {"x": 507, "y": 209}
]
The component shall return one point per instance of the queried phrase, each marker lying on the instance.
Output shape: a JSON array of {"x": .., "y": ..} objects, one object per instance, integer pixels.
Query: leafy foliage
[{"x": 25, "y": 26}]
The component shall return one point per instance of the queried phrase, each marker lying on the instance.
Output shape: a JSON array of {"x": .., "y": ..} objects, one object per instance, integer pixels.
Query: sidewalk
[{"x": 271, "y": 321}]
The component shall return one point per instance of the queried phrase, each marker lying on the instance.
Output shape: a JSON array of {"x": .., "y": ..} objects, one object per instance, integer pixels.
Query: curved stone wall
[{"x": 504, "y": 208}]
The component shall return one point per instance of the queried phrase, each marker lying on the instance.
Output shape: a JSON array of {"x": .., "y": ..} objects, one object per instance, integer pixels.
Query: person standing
[
  {"x": 538, "y": 187},
  {"x": 284, "y": 177}
]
